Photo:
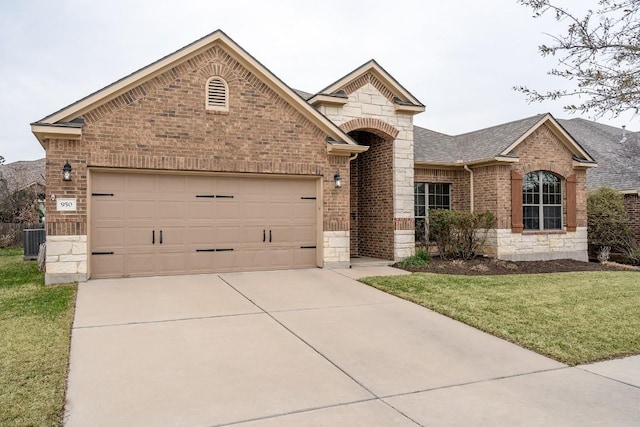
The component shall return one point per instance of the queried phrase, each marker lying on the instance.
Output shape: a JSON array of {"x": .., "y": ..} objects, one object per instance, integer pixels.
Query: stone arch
[{"x": 369, "y": 124}]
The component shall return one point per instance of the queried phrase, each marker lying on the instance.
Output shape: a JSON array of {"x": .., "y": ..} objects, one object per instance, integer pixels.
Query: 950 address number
[{"x": 66, "y": 204}]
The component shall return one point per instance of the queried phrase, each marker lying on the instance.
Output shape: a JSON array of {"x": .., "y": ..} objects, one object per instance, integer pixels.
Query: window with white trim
[
  {"x": 542, "y": 201},
  {"x": 217, "y": 94},
  {"x": 428, "y": 196}
]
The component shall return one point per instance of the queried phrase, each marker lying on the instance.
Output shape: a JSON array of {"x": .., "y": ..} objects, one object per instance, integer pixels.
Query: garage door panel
[
  {"x": 140, "y": 210},
  {"x": 105, "y": 209},
  {"x": 108, "y": 265},
  {"x": 108, "y": 238},
  {"x": 305, "y": 257},
  {"x": 140, "y": 183},
  {"x": 228, "y": 209},
  {"x": 139, "y": 237},
  {"x": 171, "y": 210},
  {"x": 200, "y": 209},
  {"x": 141, "y": 264},
  {"x": 144, "y": 203},
  {"x": 200, "y": 237},
  {"x": 172, "y": 262},
  {"x": 171, "y": 236}
]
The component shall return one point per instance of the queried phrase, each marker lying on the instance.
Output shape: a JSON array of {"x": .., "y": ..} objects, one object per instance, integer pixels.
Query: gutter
[{"x": 471, "y": 192}]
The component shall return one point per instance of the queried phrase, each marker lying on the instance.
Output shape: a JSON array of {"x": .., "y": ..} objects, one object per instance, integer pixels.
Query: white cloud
[{"x": 461, "y": 58}]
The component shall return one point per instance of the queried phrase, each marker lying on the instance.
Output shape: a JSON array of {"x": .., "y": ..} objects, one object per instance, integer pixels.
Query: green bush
[
  {"x": 459, "y": 234},
  {"x": 421, "y": 258},
  {"x": 608, "y": 223}
]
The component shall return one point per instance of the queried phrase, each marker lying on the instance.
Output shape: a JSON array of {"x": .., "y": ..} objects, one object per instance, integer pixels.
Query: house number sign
[{"x": 66, "y": 204}]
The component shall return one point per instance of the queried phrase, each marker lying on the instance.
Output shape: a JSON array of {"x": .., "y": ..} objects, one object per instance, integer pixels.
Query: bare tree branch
[{"x": 599, "y": 53}]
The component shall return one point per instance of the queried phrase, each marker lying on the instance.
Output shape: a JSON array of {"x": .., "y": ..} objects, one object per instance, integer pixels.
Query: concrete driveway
[{"x": 313, "y": 347}]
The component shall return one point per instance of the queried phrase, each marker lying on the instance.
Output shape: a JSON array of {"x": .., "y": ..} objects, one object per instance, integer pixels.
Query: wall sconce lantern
[
  {"x": 66, "y": 172},
  {"x": 337, "y": 179}
]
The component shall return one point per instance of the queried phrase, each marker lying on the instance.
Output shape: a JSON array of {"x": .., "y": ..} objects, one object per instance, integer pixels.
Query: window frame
[
  {"x": 542, "y": 194},
  {"x": 429, "y": 191}
]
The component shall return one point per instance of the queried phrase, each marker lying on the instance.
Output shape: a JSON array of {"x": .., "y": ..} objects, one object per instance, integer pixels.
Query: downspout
[{"x": 470, "y": 185}]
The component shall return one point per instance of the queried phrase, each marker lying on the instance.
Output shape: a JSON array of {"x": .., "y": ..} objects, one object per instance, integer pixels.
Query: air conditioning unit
[{"x": 32, "y": 239}]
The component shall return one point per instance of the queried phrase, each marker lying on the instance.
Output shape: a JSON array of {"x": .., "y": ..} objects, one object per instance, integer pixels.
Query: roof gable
[
  {"x": 64, "y": 123},
  {"x": 495, "y": 143},
  {"x": 372, "y": 72}
]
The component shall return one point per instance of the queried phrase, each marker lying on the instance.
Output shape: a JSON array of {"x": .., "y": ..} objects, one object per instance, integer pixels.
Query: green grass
[
  {"x": 35, "y": 325},
  {"x": 574, "y": 318}
]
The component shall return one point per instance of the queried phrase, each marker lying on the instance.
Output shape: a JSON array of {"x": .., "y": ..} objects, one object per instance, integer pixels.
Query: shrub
[
  {"x": 421, "y": 258},
  {"x": 608, "y": 223},
  {"x": 458, "y": 234}
]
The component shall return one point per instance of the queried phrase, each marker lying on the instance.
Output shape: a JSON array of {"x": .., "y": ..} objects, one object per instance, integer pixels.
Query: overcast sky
[{"x": 460, "y": 58}]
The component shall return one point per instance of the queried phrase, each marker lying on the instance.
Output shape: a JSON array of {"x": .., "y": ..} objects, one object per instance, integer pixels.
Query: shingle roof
[
  {"x": 490, "y": 142},
  {"x": 434, "y": 147},
  {"x": 305, "y": 95},
  {"x": 23, "y": 173},
  {"x": 618, "y": 159},
  {"x": 430, "y": 146}
]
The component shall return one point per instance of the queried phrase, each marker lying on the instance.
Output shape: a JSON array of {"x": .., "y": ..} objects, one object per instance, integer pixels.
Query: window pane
[
  {"x": 420, "y": 211},
  {"x": 552, "y": 217},
  {"x": 439, "y": 196},
  {"x": 530, "y": 217}
]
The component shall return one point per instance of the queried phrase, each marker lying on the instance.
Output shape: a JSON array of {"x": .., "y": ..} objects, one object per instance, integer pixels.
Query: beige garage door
[{"x": 145, "y": 225}]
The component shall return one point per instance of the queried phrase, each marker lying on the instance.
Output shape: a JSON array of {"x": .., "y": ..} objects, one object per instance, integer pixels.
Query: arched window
[
  {"x": 542, "y": 201},
  {"x": 217, "y": 94}
]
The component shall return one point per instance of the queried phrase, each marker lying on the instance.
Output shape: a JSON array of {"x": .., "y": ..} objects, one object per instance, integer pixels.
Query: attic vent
[{"x": 217, "y": 98}]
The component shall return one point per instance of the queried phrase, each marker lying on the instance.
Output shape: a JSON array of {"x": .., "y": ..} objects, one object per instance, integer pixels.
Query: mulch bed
[{"x": 492, "y": 266}]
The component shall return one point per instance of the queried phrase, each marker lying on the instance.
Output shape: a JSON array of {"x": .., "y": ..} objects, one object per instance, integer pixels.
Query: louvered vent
[{"x": 216, "y": 94}]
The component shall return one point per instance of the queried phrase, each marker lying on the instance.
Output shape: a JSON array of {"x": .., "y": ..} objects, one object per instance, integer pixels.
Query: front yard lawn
[
  {"x": 35, "y": 328},
  {"x": 574, "y": 318}
]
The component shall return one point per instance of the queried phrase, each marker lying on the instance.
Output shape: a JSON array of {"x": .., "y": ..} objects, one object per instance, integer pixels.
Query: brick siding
[
  {"x": 632, "y": 205},
  {"x": 163, "y": 124},
  {"x": 374, "y": 225}
]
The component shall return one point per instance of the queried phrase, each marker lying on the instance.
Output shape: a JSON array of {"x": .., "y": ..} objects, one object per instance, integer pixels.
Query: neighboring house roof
[
  {"x": 402, "y": 97},
  {"x": 616, "y": 151},
  {"x": 22, "y": 174},
  {"x": 490, "y": 144},
  {"x": 64, "y": 123}
]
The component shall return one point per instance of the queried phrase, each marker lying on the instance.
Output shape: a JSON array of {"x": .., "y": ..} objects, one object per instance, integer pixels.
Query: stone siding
[
  {"x": 336, "y": 249},
  {"x": 530, "y": 246},
  {"x": 66, "y": 259}
]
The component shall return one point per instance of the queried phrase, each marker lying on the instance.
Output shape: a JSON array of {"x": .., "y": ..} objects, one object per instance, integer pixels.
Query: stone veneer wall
[
  {"x": 336, "y": 249},
  {"x": 369, "y": 102},
  {"x": 534, "y": 246},
  {"x": 66, "y": 259}
]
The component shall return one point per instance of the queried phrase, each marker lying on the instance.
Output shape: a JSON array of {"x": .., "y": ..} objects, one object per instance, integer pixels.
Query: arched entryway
[{"x": 371, "y": 192}]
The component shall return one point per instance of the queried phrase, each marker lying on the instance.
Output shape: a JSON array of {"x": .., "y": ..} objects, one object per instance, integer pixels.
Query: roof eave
[
  {"x": 345, "y": 149},
  {"x": 47, "y": 131},
  {"x": 322, "y": 99},
  {"x": 410, "y": 109}
]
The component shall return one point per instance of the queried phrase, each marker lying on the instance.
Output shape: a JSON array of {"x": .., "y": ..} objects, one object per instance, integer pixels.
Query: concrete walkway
[{"x": 313, "y": 347}]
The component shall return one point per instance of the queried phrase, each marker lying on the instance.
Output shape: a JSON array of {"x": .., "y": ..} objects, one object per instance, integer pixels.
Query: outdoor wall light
[
  {"x": 337, "y": 179},
  {"x": 66, "y": 172}
]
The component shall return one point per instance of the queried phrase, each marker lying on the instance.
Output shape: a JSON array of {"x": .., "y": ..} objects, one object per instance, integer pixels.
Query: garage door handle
[
  {"x": 264, "y": 235},
  {"x": 160, "y": 236},
  {"x": 153, "y": 237},
  {"x": 269, "y": 236}
]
